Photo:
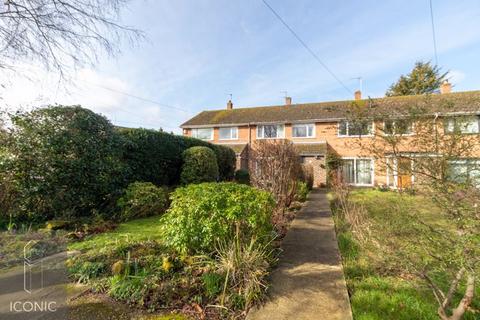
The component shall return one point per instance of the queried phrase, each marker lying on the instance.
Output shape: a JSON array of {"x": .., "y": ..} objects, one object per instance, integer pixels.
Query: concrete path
[{"x": 309, "y": 282}]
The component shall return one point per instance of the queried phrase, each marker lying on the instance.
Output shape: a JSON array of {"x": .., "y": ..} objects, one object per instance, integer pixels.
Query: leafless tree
[
  {"x": 274, "y": 166},
  {"x": 61, "y": 33}
]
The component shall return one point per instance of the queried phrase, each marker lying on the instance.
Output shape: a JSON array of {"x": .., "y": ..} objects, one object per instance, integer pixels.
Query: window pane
[
  {"x": 224, "y": 133},
  {"x": 470, "y": 125},
  {"x": 310, "y": 130},
  {"x": 299, "y": 131},
  {"x": 270, "y": 131},
  {"x": 228, "y": 133},
  {"x": 458, "y": 172},
  {"x": 449, "y": 125},
  {"x": 361, "y": 128},
  {"x": 279, "y": 131},
  {"x": 403, "y": 127},
  {"x": 260, "y": 131},
  {"x": 342, "y": 128},
  {"x": 204, "y": 134},
  {"x": 388, "y": 127},
  {"x": 348, "y": 171},
  {"x": 364, "y": 171}
]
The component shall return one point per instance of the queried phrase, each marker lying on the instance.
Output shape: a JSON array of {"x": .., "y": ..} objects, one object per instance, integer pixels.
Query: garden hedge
[{"x": 157, "y": 156}]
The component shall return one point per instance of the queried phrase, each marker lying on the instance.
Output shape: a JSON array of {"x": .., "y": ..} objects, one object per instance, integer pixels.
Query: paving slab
[{"x": 308, "y": 283}]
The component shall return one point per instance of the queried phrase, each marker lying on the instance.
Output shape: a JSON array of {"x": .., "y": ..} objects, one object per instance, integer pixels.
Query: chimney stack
[
  {"x": 288, "y": 101},
  {"x": 445, "y": 87},
  {"x": 358, "y": 95},
  {"x": 229, "y": 105}
]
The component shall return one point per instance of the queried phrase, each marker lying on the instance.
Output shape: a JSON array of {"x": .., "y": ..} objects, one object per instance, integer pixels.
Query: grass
[
  {"x": 377, "y": 289},
  {"x": 136, "y": 230}
]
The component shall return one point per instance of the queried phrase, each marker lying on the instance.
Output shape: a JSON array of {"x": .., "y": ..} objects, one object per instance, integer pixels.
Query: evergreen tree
[{"x": 424, "y": 78}]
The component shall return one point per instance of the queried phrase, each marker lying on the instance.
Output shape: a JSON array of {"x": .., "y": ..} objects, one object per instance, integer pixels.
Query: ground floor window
[
  {"x": 357, "y": 171},
  {"x": 465, "y": 171}
]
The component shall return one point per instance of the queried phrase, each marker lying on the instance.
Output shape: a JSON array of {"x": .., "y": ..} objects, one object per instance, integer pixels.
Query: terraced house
[{"x": 319, "y": 128}]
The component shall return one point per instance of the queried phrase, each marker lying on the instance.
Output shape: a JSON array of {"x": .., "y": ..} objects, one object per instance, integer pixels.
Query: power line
[
  {"x": 307, "y": 47},
  {"x": 433, "y": 33},
  {"x": 134, "y": 96}
]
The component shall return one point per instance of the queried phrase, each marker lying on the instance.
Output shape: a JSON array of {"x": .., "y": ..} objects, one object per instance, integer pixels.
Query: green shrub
[
  {"x": 242, "y": 176},
  {"x": 142, "y": 199},
  {"x": 63, "y": 161},
  {"x": 213, "y": 284},
  {"x": 199, "y": 165},
  {"x": 156, "y": 156},
  {"x": 202, "y": 214},
  {"x": 302, "y": 191}
]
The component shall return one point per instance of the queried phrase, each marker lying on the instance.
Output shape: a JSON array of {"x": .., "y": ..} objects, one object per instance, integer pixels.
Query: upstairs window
[
  {"x": 203, "y": 133},
  {"x": 303, "y": 130},
  {"x": 398, "y": 127},
  {"x": 467, "y": 125},
  {"x": 355, "y": 128},
  {"x": 229, "y": 133},
  {"x": 270, "y": 131}
]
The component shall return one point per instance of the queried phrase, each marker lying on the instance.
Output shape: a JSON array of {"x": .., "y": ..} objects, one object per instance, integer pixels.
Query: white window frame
[
  {"x": 195, "y": 131},
  {"x": 412, "y": 129},
  {"x": 304, "y": 125},
  {"x": 355, "y": 171},
  {"x": 231, "y": 135},
  {"x": 466, "y": 161},
  {"x": 455, "y": 126},
  {"x": 370, "y": 134},
  {"x": 271, "y": 124}
]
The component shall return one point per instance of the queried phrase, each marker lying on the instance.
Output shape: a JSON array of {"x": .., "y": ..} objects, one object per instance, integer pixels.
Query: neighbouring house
[{"x": 317, "y": 129}]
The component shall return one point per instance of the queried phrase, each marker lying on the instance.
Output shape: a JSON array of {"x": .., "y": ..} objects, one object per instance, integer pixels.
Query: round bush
[
  {"x": 142, "y": 199},
  {"x": 200, "y": 165},
  {"x": 201, "y": 215},
  {"x": 242, "y": 176}
]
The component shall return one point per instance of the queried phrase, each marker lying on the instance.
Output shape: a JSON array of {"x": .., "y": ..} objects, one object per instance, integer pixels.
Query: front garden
[
  {"x": 154, "y": 221},
  {"x": 380, "y": 235}
]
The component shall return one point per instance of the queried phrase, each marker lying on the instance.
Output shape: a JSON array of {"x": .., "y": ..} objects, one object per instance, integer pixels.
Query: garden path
[{"x": 308, "y": 282}]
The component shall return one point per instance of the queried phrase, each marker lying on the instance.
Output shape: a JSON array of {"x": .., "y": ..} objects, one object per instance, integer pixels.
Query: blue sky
[{"x": 199, "y": 51}]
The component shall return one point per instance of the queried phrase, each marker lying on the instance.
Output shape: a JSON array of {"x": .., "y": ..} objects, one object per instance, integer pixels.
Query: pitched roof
[
  {"x": 458, "y": 102},
  {"x": 311, "y": 149}
]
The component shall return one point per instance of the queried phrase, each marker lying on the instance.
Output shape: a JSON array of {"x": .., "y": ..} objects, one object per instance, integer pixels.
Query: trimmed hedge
[
  {"x": 157, "y": 157},
  {"x": 62, "y": 162},
  {"x": 201, "y": 215},
  {"x": 200, "y": 165}
]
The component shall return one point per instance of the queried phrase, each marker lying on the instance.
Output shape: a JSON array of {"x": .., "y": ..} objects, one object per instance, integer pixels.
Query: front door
[{"x": 404, "y": 173}]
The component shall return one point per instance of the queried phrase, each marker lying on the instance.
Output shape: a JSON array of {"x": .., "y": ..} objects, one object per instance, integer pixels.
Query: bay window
[
  {"x": 228, "y": 133},
  {"x": 303, "y": 130},
  {"x": 203, "y": 133},
  {"x": 271, "y": 131}
]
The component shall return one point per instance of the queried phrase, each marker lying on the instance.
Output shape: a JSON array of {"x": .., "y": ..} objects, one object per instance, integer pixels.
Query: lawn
[
  {"x": 378, "y": 288},
  {"x": 135, "y": 230}
]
